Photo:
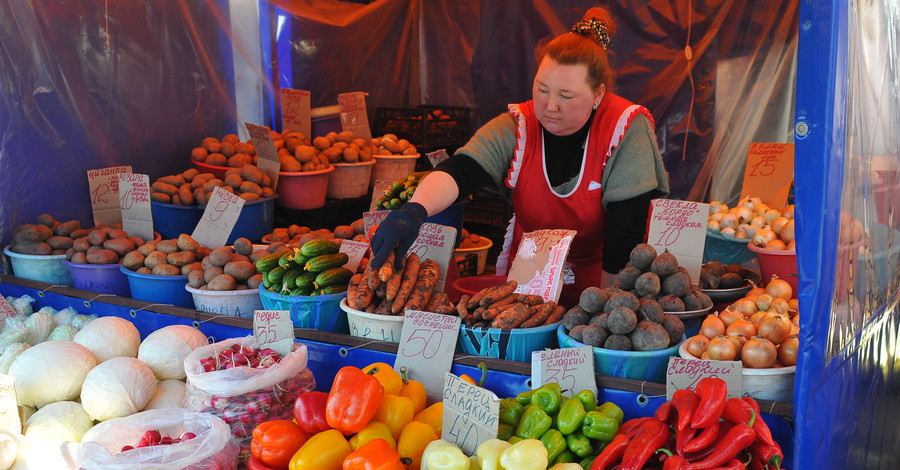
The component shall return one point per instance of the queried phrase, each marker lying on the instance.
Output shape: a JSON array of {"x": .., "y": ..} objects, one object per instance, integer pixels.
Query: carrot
[
  {"x": 439, "y": 299},
  {"x": 429, "y": 274},
  {"x": 508, "y": 300},
  {"x": 408, "y": 281},
  {"x": 384, "y": 308},
  {"x": 372, "y": 278},
  {"x": 477, "y": 313},
  {"x": 480, "y": 324},
  {"x": 461, "y": 309},
  {"x": 541, "y": 313},
  {"x": 381, "y": 291},
  {"x": 364, "y": 296},
  {"x": 531, "y": 299},
  {"x": 475, "y": 300},
  {"x": 498, "y": 292},
  {"x": 352, "y": 287},
  {"x": 492, "y": 312},
  {"x": 556, "y": 316},
  {"x": 512, "y": 317},
  {"x": 387, "y": 269},
  {"x": 446, "y": 310},
  {"x": 393, "y": 285},
  {"x": 370, "y": 308}
]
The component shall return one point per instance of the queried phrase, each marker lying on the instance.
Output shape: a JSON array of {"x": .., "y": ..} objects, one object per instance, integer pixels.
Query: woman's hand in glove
[{"x": 396, "y": 234}]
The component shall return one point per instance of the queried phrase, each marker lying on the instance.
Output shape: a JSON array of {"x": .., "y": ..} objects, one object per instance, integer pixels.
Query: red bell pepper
[
  {"x": 737, "y": 439},
  {"x": 275, "y": 442},
  {"x": 664, "y": 411},
  {"x": 763, "y": 432},
  {"x": 712, "y": 392},
  {"x": 612, "y": 453},
  {"x": 685, "y": 402},
  {"x": 353, "y": 400},
  {"x": 704, "y": 439},
  {"x": 652, "y": 435},
  {"x": 631, "y": 427},
  {"x": 309, "y": 412},
  {"x": 376, "y": 454}
]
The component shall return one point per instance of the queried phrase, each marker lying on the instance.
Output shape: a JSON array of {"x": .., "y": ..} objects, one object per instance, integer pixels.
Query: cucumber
[
  {"x": 292, "y": 259},
  {"x": 339, "y": 275},
  {"x": 291, "y": 276},
  {"x": 305, "y": 280},
  {"x": 315, "y": 248},
  {"x": 268, "y": 262},
  {"x": 276, "y": 275},
  {"x": 324, "y": 262},
  {"x": 300, "y": 291},
  {"x": 334, "y": 289}
]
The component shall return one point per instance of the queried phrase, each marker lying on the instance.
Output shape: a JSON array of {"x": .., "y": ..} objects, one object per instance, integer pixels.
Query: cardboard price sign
[
  {"x": 134, "y": 199},
  {"x": 273, "y": 329},
  {"x": 571, "y": 368},
  {"x": 218, "y": 218},
  {"x": 104, "y": 189},
  {"x": 471, "y": 414},
  {"x": 685, "y": 373},
  {"x": 295, "y": 111},
  {"x": 435, "y": 242},
  {"x": 356, "y": 251},
  {"x": 769, "y": 172},
  {"x": 378, "y": 191},
  {"x": 371, "y": 219},
  {"x": 680, "y": 227},
  {"x": 6, "y": 310},
  {"x": 268, "y": 160},
  {"x": 437, "y": 156},
  {"x": 539, "y": 262},
  {"x": 427, "y": 344},
  {"x": 354, "y": 117}
]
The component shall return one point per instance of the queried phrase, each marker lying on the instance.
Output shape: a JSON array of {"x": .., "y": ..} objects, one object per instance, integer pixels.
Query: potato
[
  {"x": 217, "y": 159},
  {"x": 70, "y": 253},
  {"x": 181, "y": 258},
  {"x": 211, "y": 143},
  {"x": 94, "y": 248},
  {"x": 245, "y": 147},
  {"x": 222, "y": 282},
  {"x": 211, "y": 185},
  {"x": 195, "y": 279},
  {"x": 351, "y": 155},
  {"x": 308, "y": 166},
  {"x": 200, "y": 197},
  {"x": 304, "y": 153},
  {"x": 103, "y": 257},
  {"x": 199, "y": 154},
  {"x": 210, "y": 273},
  {"x": 82, "y": 232},
  {"x": 202, "y": 252},
  {"x": 60, "y": 243},
  {"x": 121, "y": 246},
  {"x": 221, "y": 256},
  {"x": 32, "y": 233},
  {"x": 200, "y": 181},
  {"x": 321, "y": 143},
  {"x": 32, "y": 248},
  {"x": 231, "y": 139},
  {"x": 252, "y": 174},
  {"x": 365, "y": 154},
  {"x": 174, "y": 180},
  {"x": 391, "y": 145},
  {"x": 240, "y": 270},
  {"x": 257, "y": 254},
  {"x": 238, "y": 257},
  {"x": 154, "y": 259},
  {"x": 249, "y": 197},
  {"x": 344, "y": 231},
  {"x": 227, "y": 149},
  {"x": 345, "y": 136},
  {"x": 97, "y": 237},
  {"x": 144, "y": 270},
  {"x": 46, "y": 219},
  {"x": 147, "y": 248},
  {"x": 187, "y": 243},
  {"x": 133, "y": 260},
  {"x": 290, "y": 164},
  {"x": 233, "y": 181},
  {"x": 165, "y": 188},
  {"x": 167, "y": 246},
  {"x": 160, "y": 197},
  {"x": 117, "y": 234},
  {"x": 240, "y": 159},
  {"x": 243, "y": 246},
  {"x": 410, "y": 151},
  {"x": 138, "y": 241},
  {"x": 65, "y": 229},
  {"x": 254, "y": 281},
  {"x": 189, "y": 174},
  {"x": 195, "y": 266},
  {"x": 333, "y": 154},
  {"x": 166, "y": 270},
  {"x": 79, "y": 258},
  {"x": 186, "y": 195}
]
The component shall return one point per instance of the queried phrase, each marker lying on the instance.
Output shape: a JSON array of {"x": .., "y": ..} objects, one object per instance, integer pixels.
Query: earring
[{"x": 596, "y": 105}]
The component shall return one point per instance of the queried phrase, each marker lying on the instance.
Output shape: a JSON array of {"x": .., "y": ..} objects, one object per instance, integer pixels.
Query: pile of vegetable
[
  {"x": 390, "y": 144},
  {"x": 154, "y": 438},
  {"x": 334, "y": 147},
  {"x": 194, "y": 188},
  {"x": 715, "y": 275},
  {"x": 753, "y": 220},
  {"x": 173, "y": 257},
  {"x": 385, "y": 291},
  {"x": 229, "y": 268},
  {"x": 400, "y": 191},
  {"x": 316, "y": 268},
  {"x": 296, "y": 235},
  {"x": 501, "y": 307},
  {"x": 47, "y": 237},
  {"x": 102, "y": 245},
  {"x": 229, "y": 151}
]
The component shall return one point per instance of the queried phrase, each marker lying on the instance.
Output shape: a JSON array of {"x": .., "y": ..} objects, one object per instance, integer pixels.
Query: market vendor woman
[{"x": 576, "y": 156}]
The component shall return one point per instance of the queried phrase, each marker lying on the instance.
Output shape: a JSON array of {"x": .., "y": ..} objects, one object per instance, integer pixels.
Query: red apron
[{"x": 537, "y": 206}]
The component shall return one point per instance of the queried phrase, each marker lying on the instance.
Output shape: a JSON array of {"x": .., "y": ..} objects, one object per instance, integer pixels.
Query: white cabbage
[
  {"x": 9, "y": 447},
  {"x": 63, "y": 333},
  {"x": 164, "y": 350},
  {"x": 39, "y": 324},
  {"x": 60, "y": 421},
  {"x": 109, "y": 337},
  {"x": 64, "y": 316},
  {"x": 169, "y": 394},
  {"x": 118, "y": 387},
  {"x": 10, "y": 353},
  {"x": 22, "y": 305},
  {"x": 80, "y": 321},
  {"x": 51, "y": 371},
  {"x": 14, "y": 332},
  {"x": 46, "y": 455}
]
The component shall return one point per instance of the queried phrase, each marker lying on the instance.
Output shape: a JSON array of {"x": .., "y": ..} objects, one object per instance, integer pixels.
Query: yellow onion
[
  {"x": 716, "y": 217},
  {"x": 760, "y": 209},
  {"x": 778, "y": 224},
  {"x": 763, "y": 236},
  {"x": 715, "y": 207},
  {"x": 791, "y": 246},
  {"x": 713, "y": 225},
  {"x": 776, "y": 244},
  {"x": 788, "y": 211},
  {"x": 729, "y": 221},
  {"x": 729, "y": 232},
  {"x": 787, "y": 231},
  {"x": 758, "y": 353},
  {"x": 751, "y": 230},
  {"x": 771, "y": 215},
  {"x": 758, "y": 221},
  {"x": 743, "y": 214}
]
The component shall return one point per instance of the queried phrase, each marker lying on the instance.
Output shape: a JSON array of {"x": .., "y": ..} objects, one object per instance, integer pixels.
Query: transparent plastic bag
[{"x": 213, "y": 448}]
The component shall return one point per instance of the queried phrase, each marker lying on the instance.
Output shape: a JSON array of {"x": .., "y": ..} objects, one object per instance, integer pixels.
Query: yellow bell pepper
[
  {"x": 443, "y": 455},
  {"x": 388, "y": 377},
  {"x": 566, "y": 466},
  {"x": 394, "y": 411},
  {"x": 433, "y": 415},
  {"x": 527, "y": 454},
  {"x": 371, "y": 431},
  {"x": 415, "y": 436},
  {"x": 414, "y": 390},
  {"x": 489, "y": 452},
  {"x": 473, "y": 463},
  {"x": 323, "y": 451}
]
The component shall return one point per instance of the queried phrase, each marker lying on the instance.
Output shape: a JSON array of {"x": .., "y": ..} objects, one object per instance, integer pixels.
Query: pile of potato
[
  {"x": 389, "y": 144},
  {"x": 229, "y": 151},
  {"x": 296, "y": 236},
  {"x": 173, "y": 257},
  {"x": 472, "y": 240},
  {"x": 47, "y": 237},
  {"x": 103, "y": 245},
  {"x": 194, "y": 188},
  {"x": 229, "y": 268}
]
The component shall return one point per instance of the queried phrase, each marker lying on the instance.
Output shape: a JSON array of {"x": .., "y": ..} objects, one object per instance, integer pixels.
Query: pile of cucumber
[
  {"x": 316, "y": 268},
  {"x": 400, "y": 191}
]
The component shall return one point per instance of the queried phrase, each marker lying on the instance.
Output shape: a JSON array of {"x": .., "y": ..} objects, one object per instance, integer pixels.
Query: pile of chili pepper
[
  {"x": 572, "y": 429},
  {"x": 372, "y": 418},
  {"x": 697, "y": 429}
]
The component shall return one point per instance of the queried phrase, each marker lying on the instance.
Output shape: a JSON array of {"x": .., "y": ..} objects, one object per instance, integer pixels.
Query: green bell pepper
[
  {"x": 611, "y": 409},
  {"x": 514, "y": 439},
  {"x": 579, "y": 444},
  {"x": 554, "y": 442},
  {"x": 548, "y": 397},
  {"x": 597, "y": 425},
  {"x": 524, "y": 398},
  {"x": 534, "y": 423},
  {"x": 570, "y": 416},
  {"x": 511, "y": 411},
  {"x": 587, "y": 461},
  {"x": 588, "y": 399},
  {"x": 505, "y": 431},
  {"x": 567, "y": 456}
]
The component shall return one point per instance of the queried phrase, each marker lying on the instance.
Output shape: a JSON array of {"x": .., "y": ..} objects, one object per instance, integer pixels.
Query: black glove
[{"x": 397, "y": 233}]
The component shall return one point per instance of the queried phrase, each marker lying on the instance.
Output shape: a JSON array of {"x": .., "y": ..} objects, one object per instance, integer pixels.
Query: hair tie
[{"x": 595, "y": 28}]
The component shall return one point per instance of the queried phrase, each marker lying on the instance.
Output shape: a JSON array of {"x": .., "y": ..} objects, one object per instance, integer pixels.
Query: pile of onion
[{"x": 753, "y": 220}]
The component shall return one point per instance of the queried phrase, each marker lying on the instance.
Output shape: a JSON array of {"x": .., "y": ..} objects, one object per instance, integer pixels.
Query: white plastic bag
[{"x": 214, "y": 447}]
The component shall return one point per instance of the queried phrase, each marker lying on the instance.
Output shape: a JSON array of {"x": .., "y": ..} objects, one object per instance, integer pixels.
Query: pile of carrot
[
  {"x": 388, "y": 292},
  {"x": 501, "y": 307}
]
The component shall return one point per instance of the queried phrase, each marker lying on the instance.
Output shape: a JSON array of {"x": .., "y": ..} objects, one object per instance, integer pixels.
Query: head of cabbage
[
  {"x": 109, "y": 337},
  {"x": 51, "y": 371},
  {"x": 164, "y": 350}
]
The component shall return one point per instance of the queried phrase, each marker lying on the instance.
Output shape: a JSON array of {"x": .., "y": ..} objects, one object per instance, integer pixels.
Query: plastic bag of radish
[
  {"x": 163, "y": 438},
  {"x": 245, "y": 385}
]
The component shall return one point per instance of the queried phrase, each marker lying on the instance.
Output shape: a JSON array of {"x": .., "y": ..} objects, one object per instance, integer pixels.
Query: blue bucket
[
  {"x": 513, "y": 345},
  {"x": 44, "y": 268},
  {"x": 159, "y": 289},
  {"x": 100, "y": 278},
  {"x": 316, "y": 312},
  {"x": 256, "y": 220},
  {"x": 637, "y": 365}
]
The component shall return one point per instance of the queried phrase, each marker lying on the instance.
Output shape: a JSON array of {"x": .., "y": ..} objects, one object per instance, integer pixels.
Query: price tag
[
  {"x": 685, "y": 373},
  {"x": 435, "y": 242},
  {"x": 769, "y": 172},
  {"x": 295, "y": 112},
  {"x": 427, "y": 344},
  {"x": 378, "y": 191},
  {"x": 471, "y": 414},
  {"x": 571, "y": 368},
  {"x": 218, "y": 218},
  {"x": 6, "y": 310},
  {"x": 134, "y": 199},
  {"x": 273, "y": 329},
  {"x": 539, "y": 262},
  {"x": 371, "y": 219},
  {"x": 680, "y": 227},
  {"x": 9, "y": 404},
  {"x": 353, "y": 114},
  {"x": 356, "y": 251},
  {"x": 104, "y": 187},
  {"x": 268, "y": 160},
  {"x": 437, "y": 156}
]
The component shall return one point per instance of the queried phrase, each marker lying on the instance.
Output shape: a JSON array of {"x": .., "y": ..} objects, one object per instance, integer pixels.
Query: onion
[
  {"x": 751, "y": 230},
  {"x": 738, "y": 341},
  {"x": 717, "y": 217},
  {"x": 764, "y": 301},
  {"x": 729, "y": 221},
  {"x": 796, "y": 319},
  {"x": 791, "y": 246},
  {"x": 721, "y": 349},
  {"x": 787, "y": 231},
  {"x": 713, "y": 225},
  {"x": 743, "y": 214},
  {"x": 756, "y": 291},
  {"x": 779, "y": 288},
  {"x": 730, "y": 315},
  {"x": 763, "y": 236},
  {"x": 787, "y": 351},
  {"x": 776, "y": 244},
  {"x": 771, "y": 215},
  {"x": 750, "y": 202},
  {"x": 741, "y": 235},
  {"x": 741, "y": 328},
  {"x": 774, "y": 329},
  {"x": 728, "y": 232},
  {"x": 697, "y": 344},
  {"x": 788, "y": 211},
  {"x": 760, "y": 209},
  {"x": 746, "y": 306},
  {"x": 757, "y": 317},
  {"x": 712, "y": 326},
  {"x": 758, "y": 221},
  {"x": 714, "y": 207},
  {"x": 781, "y": 306},
  {"x": 758, "y": 353},
  {"x": 778, "y": 224}
]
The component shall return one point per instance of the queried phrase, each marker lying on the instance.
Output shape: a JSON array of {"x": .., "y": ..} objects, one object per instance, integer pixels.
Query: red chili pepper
[
  {"x": 631, "y": 427},
  {"x": 737, "y": 439},
  {"x": 724, "y": 427},
  {"x": 652, "y": 435},
  {"x": 733, "y": 464},
  {"x": 612, "y": 453},
  {"x": 682, "y": 437},
  {"x": 675, "y": 462},
  {"x": 664, "y": 411},
  {"x": 704, "y": 439},
  {"x": 763, "y": 432},
  {"x": 309, "y": 412},
  {"x": 685, "y": 402},
  {"x": 755, "y": 464},
  {"x": 712, "y": 392},
  {"x": 766, "y": 454}
]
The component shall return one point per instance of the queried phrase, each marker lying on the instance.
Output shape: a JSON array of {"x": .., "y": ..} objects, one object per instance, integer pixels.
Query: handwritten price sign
[
  {"x": 378, "y": 190},
  {"x": 268, "y": 161},
  {"x": 437, "y": 156},
  {"x": 685, "y": 373},
  {"x": 471, "y": 414},
  {"x": 356, "y": 251},
  {"x": 353, "y": 114},
  {"x": 295, "y": 114},
  {"x": 571, "y": 368},
  {"x": 371, "y": 219},
  {"x": 539, "y": 263},
  {"x": 104, "y": 189},
  {"x": 769, "y": 172},
  {"x": 427, "y": 343},
  {"x": 6, "y": 310},
  {"x": 680, "y": 227},
  {"x": 273, "y": 329},
  {"x": 435, "y": 242},
  {"x": 218, "y": 218},
  {"x": 134, "y": 199}
]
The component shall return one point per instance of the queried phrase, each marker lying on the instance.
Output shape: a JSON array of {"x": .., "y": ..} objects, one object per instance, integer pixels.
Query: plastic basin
[
  {"x": 234, "y": 303},
  {"x": 45, "y": 268},
  {"x": 513, "y": 345},
  {"x": 481, "y": 251},
  {"x": 158, "y": 289},
  {"x": 303, "y": 190},
  {"x": 781, "y": 263},
  {"x": 637, "y": 365},
  {"x": 100, "y": 278},
  {"x": 316, "y": 312},
  {"x": 350, "y": 180},
  {"x": 392, "y": 167},
  {"x": 256, "y": 220},
  {"x": 776, "y": 384},
  {"x": 726, "y": 250},
  {"x": 473, "y": 284},
  {"x": 218, "y": 171},
  {"x": 373, "y": 326}
]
